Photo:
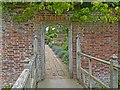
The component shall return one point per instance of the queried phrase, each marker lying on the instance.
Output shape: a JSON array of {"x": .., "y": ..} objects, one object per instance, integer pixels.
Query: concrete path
[
  {"x": 55, "y": 68},
  {"x": 56, "y": 74},
  {"x": 59, "y": 83}
]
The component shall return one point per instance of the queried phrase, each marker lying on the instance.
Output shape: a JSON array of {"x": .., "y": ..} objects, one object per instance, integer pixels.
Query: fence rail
[
  {"x": 81, "y": 72},
  {"x": 28, "y": 77},
  {"x": 99, "y": 60}
]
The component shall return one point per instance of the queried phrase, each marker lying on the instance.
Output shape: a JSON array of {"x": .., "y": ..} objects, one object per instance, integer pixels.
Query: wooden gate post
[
  {"x": 35, "y": 45},
  {"x": 78, "y": 58},
  {"x": 70, "y": 52},
  {"x": 113, "y": 73},
  {"x": 42, "y": 52},
  {"x": 35, "y": 50}
]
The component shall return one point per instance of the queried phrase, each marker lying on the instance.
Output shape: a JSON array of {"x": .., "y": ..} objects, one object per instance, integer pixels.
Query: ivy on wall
[{"x": 83, "y": 11}]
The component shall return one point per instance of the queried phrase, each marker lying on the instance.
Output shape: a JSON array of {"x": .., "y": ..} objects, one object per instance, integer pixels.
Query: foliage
[
  {"x": 97, "y": 12},
  {"x": 50, "y": 35},
  {"x": 66, "y": 58},
  {"x": 56, "y": 49},
  {"x": 61, "y": 53},
  {"x": 119, "y": 82},
  {"x": 65, "y": 44},
  {"x": 83, "y": 11},
  {"x": 8, "y": 86}
]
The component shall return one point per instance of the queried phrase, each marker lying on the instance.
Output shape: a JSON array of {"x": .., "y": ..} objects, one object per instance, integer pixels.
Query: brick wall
[
  {"x": 17, "y": 43},
  {"x": 99, "y": 40},
  {"x": 17, "y": 46}
]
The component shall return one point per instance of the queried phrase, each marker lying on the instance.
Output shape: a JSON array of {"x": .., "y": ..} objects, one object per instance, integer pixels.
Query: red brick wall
[
  {"x": 18, "y": 44},
  {"x": 99, "y": 40}
]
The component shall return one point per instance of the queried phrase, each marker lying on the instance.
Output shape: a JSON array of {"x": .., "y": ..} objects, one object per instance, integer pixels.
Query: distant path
[{"x": 55, "y": 68}]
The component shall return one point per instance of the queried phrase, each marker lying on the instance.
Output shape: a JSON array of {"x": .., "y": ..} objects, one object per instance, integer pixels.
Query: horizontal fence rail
[
  {"x": 99, "y": 60},
  {"x": 82, "y": 73}
]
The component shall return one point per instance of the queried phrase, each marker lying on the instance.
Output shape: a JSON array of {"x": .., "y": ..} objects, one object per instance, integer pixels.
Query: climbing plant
[{"x": 84, "y": 11}]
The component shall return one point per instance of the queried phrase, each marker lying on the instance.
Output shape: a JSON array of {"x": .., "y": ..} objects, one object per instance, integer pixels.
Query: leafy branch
[{"x": 83, "y": 11}]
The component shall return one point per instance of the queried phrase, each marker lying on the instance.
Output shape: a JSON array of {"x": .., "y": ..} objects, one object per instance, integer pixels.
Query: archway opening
[{"x": 56, "y": 51}]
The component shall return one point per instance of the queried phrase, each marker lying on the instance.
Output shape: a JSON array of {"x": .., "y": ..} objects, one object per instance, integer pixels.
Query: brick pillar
[{"x": 75, "y": 26}]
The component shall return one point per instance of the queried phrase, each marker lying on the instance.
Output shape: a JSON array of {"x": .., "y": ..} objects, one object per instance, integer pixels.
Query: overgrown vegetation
[
  {"x": 118, "y": 82},
  {"x": 59, "y": 49},
  {"x": 7, "y": 87},
  {"x": 83, "y": 11}
]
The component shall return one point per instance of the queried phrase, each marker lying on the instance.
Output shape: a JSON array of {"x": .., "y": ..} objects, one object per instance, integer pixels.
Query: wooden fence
[{"x": 81, "y": 72}]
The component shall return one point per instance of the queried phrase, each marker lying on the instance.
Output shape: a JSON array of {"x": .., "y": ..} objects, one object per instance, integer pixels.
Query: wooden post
[
  {"x": 42, "y": 52},
  {"x": 70, "y": 53},
  {"x": 35, "y": 50},
  {"x": 35, "y": 45},
  {"x": 90, "y": 73},
  {"x": 78, "y": 59},
  {"x": 83, "y": 75},
  {"x": 113, "y": 73}
]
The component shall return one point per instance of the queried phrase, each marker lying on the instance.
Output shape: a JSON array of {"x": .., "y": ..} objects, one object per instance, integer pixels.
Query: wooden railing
[
  {"x": 28, "y": 77},
  {"x": 81, "y": 72}
]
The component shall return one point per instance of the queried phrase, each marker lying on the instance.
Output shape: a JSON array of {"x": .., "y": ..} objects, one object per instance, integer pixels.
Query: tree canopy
[{"x": 83, "y": 11}]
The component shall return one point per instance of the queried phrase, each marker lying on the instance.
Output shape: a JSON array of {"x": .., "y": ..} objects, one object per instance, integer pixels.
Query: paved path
[
  {"x": 56, "y": 73},
  {"x": 55, "y": 68}
]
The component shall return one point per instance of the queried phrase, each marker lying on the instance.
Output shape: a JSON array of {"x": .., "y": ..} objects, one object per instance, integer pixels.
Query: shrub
[
  {"x": 61, "y": 53},
  {"x": 66, "y": 58},
  {"x": 119, "y": 82},
  {"x": 51, "y": 44},
  {"x": 8, "y": 86},
  {"x": 54, "y": 47},
  {"x": 65, "y": 44},
  {"x": 57, "y": 50}
]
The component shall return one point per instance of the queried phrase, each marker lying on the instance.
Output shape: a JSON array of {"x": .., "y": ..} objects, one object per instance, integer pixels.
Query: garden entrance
[
  {"x": 52, "y": 38},
  {"x": 35, "y": 75}
]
